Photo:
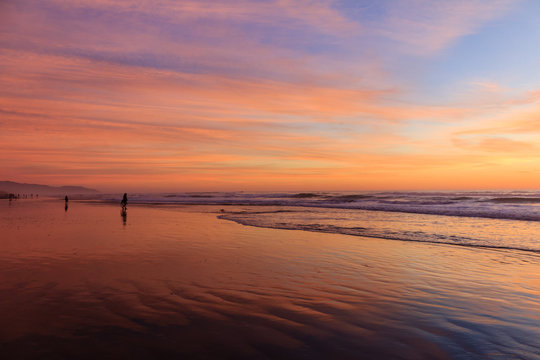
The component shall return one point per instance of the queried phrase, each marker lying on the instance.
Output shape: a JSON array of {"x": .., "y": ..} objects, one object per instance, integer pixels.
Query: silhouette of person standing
[
  {"x": 124, "y": 209},
  {"x": 66, "y": 203},
  {"x": 124, "y": 201}
]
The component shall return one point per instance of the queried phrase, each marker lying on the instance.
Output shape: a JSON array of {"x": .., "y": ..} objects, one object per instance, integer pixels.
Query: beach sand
[{"x": 176, "y": 281}]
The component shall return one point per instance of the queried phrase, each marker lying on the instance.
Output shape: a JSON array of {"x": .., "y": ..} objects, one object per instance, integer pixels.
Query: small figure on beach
[
  {"x": 124, "y": 202},
  {"x": 124, "y": 209},
  {"x": 66, "y": 199},
  {"x": 66, "y": 203}
]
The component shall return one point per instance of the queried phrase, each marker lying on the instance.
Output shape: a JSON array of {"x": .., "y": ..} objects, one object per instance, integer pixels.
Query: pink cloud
[{"x": 173, "y": 92}]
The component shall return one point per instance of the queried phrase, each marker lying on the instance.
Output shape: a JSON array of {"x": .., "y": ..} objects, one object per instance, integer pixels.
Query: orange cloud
[{"x": 240, "y": 95}]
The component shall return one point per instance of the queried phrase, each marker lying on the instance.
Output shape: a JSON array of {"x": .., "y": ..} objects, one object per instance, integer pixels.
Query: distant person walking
[
  {"x": 66, "y": 198},
  {"x": 124, "y": 201},
  {"x": 124, "y": 209},
  {"x": 66, "y": 203}
]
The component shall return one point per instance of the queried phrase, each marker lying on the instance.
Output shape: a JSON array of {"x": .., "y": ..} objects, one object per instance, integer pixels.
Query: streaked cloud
[
  {"x": 246, "y": 94},
  {"x": 425, "y": 27}
]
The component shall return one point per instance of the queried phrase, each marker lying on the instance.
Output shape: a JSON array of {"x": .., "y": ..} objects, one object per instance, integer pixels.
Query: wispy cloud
[
  {"x": 239, "y": 94},
  {"x": 426, "y": 27}
]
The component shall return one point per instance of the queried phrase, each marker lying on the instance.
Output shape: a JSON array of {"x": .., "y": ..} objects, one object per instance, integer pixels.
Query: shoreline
[
  {"x": 156, "y": 204},
  {"x": 531, "y": 252}
]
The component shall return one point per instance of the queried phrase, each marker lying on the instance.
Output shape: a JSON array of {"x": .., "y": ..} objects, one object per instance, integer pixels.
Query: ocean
[{"x": 507, "y": 220}]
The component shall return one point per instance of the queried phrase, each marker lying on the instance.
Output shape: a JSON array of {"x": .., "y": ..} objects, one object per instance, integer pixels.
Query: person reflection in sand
[{"x": 124, "y": 216}]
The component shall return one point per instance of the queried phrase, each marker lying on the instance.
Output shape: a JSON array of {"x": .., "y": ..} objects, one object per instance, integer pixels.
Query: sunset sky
[{"x": 250, "y": 95}]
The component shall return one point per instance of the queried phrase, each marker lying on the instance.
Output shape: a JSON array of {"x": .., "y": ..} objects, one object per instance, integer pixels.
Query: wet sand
[{"x": 175, "y": 281}]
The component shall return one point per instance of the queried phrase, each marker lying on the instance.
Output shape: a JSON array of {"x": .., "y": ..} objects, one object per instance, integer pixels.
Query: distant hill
[{"x": 21, "y": 188}]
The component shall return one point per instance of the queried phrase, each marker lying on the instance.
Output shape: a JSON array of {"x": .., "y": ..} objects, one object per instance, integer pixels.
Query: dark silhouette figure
[
  {"x": 124, "y": 202},
  {"x": 124, "y": 209},
  {"x": 66, "y": 203}
]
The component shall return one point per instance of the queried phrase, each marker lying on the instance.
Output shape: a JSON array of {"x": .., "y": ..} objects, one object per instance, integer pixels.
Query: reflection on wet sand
[
  {"x": 179, "y": 282},
  {"x": 123, "y": 213}
]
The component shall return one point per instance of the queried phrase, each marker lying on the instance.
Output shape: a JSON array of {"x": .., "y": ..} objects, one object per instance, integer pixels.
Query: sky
[{"x": 268, "y": 95}]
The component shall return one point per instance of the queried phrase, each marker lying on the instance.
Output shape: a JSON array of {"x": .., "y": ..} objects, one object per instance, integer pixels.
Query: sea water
[{"x": 509, "y": 219}]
